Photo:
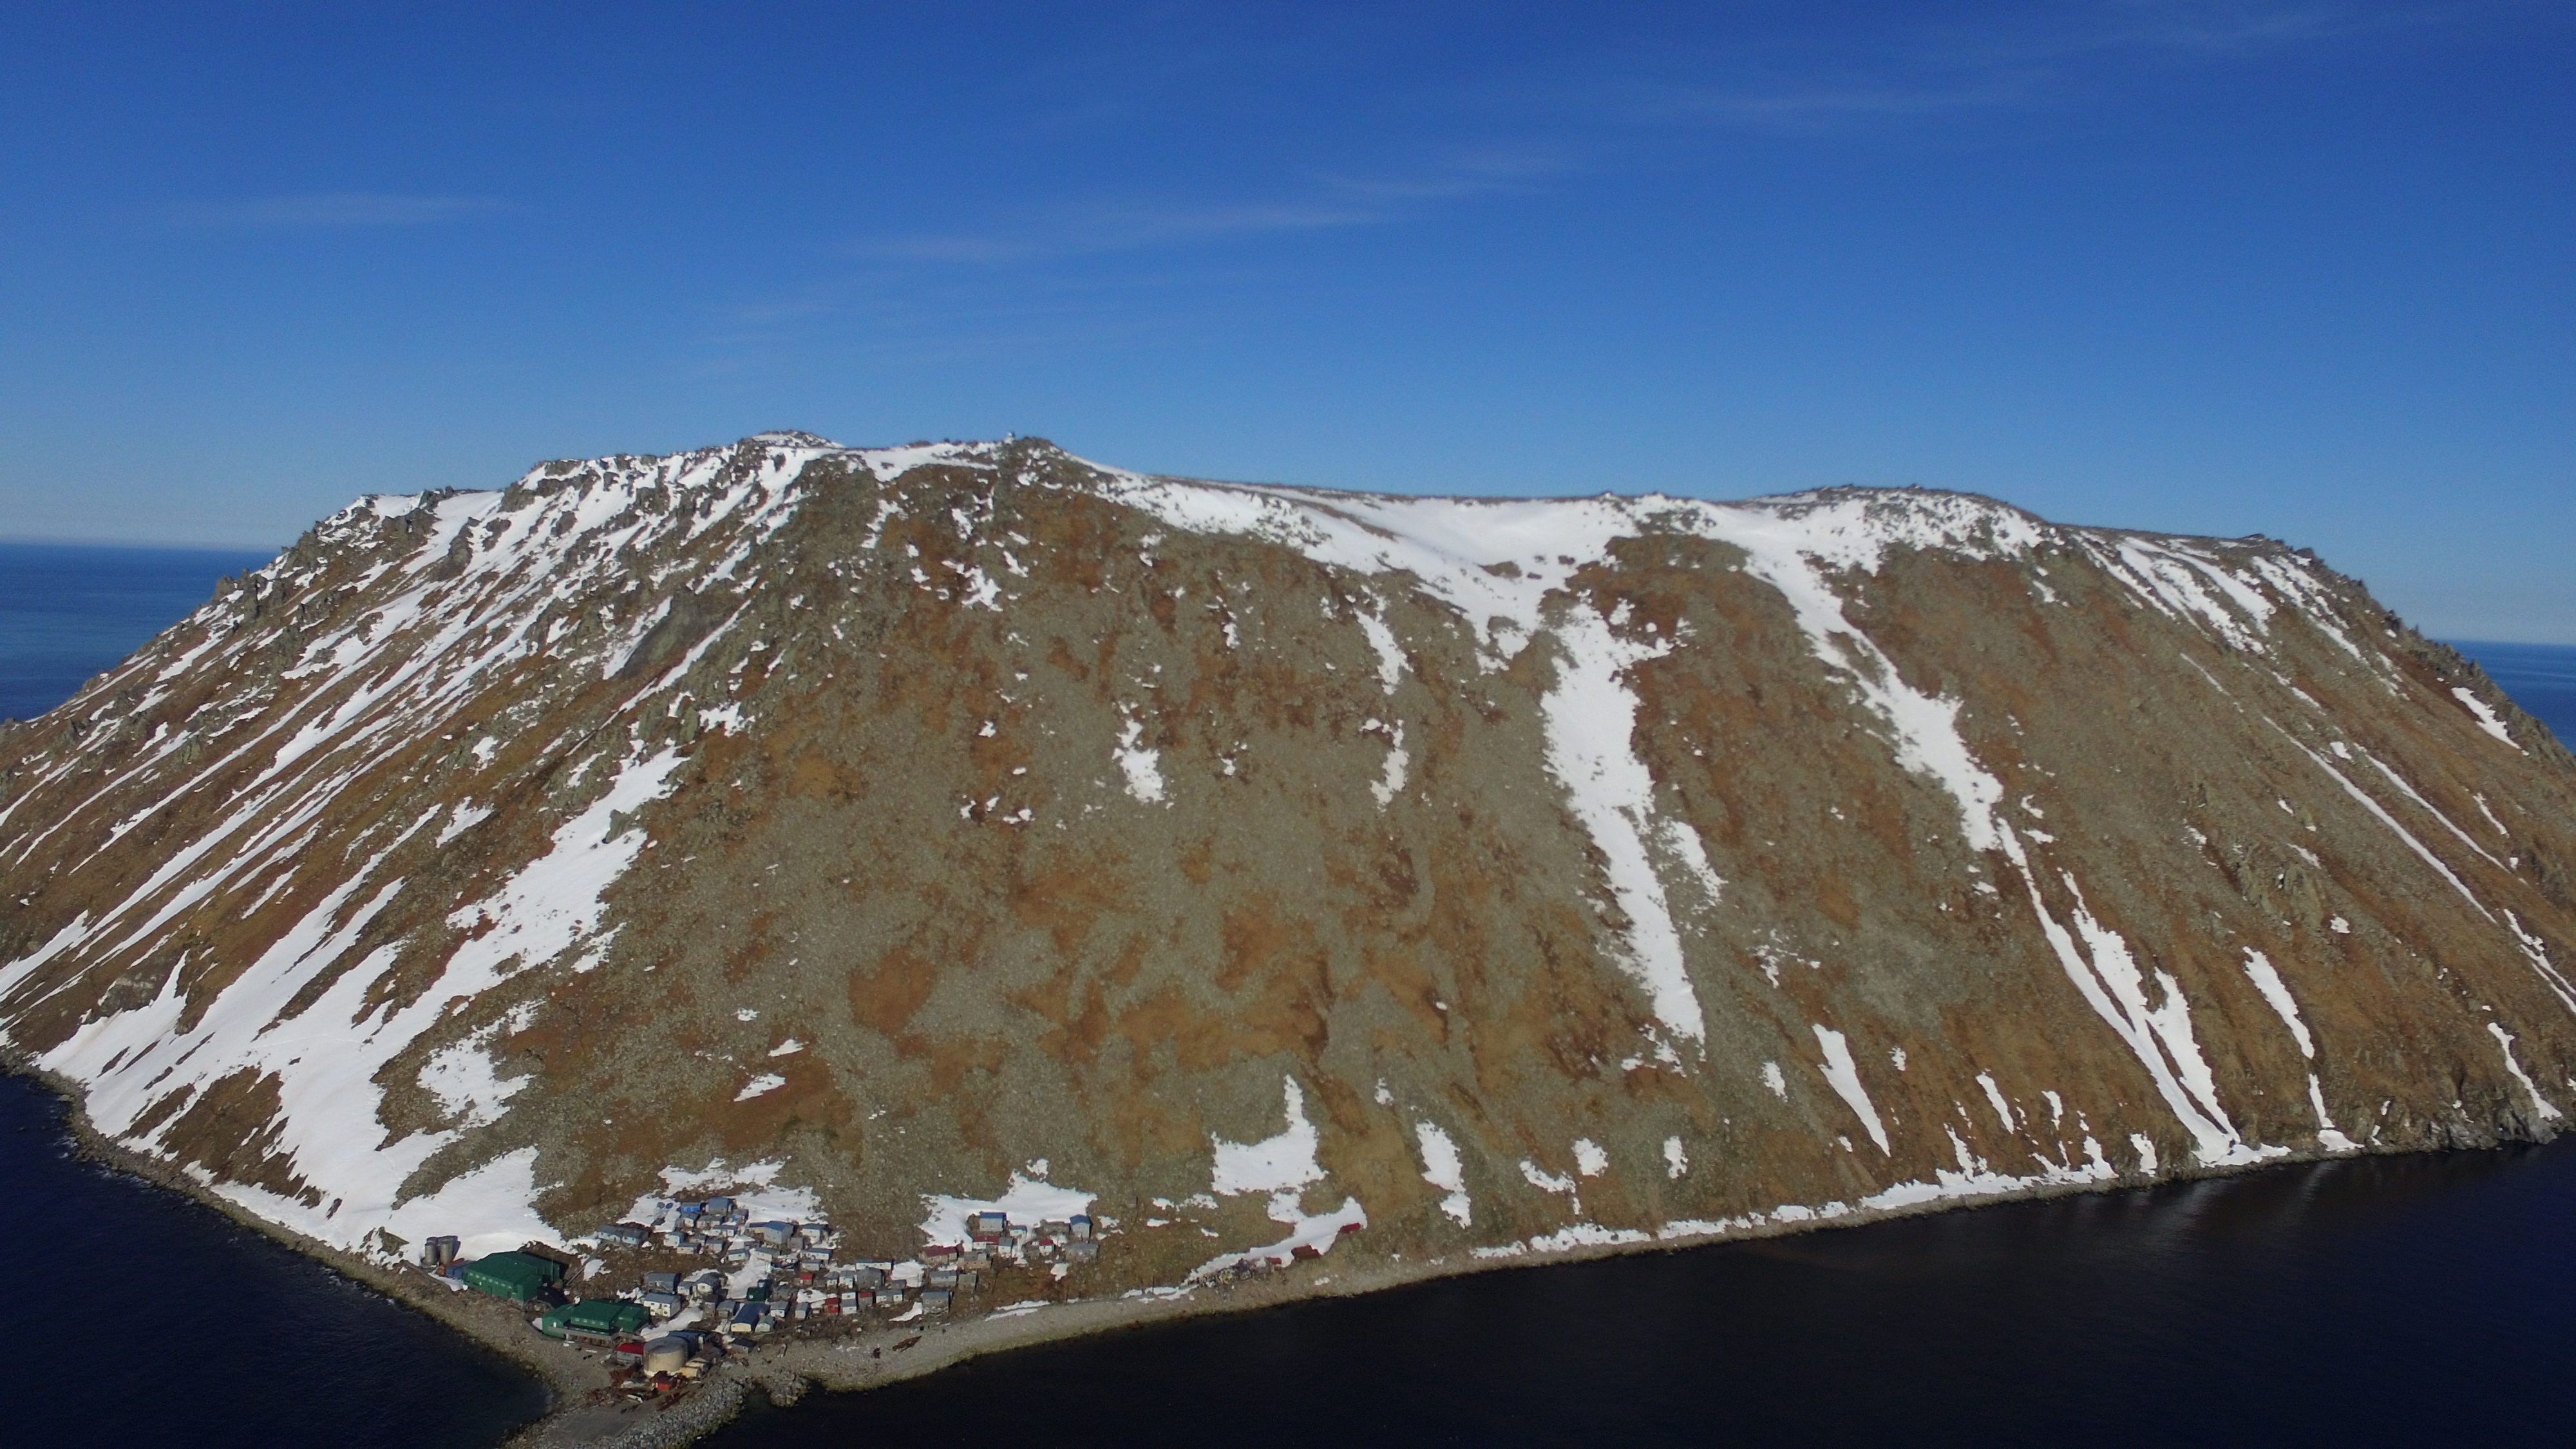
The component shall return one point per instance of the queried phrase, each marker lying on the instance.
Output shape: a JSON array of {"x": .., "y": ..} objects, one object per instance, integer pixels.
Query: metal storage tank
[{"x": 665, "y": 1356}]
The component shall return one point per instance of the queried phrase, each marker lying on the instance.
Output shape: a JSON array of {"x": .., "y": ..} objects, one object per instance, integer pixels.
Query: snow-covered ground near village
[{"x": 1030, "y": 1199}]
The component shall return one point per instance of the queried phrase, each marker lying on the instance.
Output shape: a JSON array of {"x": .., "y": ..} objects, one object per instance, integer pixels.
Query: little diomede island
[{"x": 882, "y": 837}]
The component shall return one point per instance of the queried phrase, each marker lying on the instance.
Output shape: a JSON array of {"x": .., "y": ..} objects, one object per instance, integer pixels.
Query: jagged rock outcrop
[{"x": 909, "y": 828}]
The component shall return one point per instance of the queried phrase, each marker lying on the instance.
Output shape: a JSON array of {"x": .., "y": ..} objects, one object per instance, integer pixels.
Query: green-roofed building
[
  {"x": 517, "y": 1277},
  {"x": 601, "y": 1318}
]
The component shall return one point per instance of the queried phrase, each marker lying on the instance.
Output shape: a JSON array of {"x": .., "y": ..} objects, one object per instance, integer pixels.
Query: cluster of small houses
[{"x": 673, "y": 1326}]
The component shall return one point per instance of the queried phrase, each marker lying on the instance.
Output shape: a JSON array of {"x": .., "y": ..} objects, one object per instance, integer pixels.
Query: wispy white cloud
[
  {"x": 896, "y": 317},
  {"x": 1316, "y": 202},
  {"x": 1460, "y": 173},
  {"x": 1000, "y": 280},
  {"x": 2223, "y": 27},
  {"x": 1943, "y": 67},
  {"x": 1607, "y": 109},
  {"x": 1117, "y": 226},
  {"x": 326, "y": 209},
  {"x": 1840, "y": 104}
]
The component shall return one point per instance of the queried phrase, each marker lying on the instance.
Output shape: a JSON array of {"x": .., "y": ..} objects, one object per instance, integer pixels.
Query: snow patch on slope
[
  {"x": 1281, "y": 1166},
  {"x": 1274, "y": 1164},
  {"x": 2486, "y": 717},
  {"x": 2276, "y": 992},
  {"x": 2539, "y": 1103},
  {"x": 1444, "y": 1169},
  {"x": 1843, "y": 1075},
  {"x": 467, "y": 1085},
  {"x": 558, "y": 900},
  {"x": 1591, "y": 717},
  {"x": 2111, "y": 982},
  {"x": 1139, "y": 763}
]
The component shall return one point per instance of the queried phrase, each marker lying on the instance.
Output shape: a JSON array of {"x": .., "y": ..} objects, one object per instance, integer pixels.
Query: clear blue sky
[{"x": 2299, "y": 267}]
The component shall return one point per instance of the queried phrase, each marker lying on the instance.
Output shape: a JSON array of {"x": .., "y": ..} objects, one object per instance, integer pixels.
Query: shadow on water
[
  {"x": 158, "y": 1321},
  {"x": 2385, "y": 1300}
]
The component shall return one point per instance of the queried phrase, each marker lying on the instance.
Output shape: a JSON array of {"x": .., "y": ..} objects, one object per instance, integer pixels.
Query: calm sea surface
[
  {"x": 2388, "y": 1301},
  {"x": 2540, "y": 677},
  {"x": 68, "y": 613},
  {"x": 155, "y": 1321}
]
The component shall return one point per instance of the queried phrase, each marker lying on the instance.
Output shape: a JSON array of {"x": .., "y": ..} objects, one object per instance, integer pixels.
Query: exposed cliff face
[{"x": 911, "y": 828}]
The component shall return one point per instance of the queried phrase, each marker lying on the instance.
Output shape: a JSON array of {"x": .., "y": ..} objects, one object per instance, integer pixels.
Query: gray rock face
[{"x": 887, "y": 833}]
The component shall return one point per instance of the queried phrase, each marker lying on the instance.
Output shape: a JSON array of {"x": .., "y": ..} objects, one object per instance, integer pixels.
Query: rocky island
[{"x": 922, "y": 851}]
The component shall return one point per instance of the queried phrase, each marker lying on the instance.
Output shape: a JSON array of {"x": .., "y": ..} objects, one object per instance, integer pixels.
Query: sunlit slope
[{"x": 893, "y": 832}]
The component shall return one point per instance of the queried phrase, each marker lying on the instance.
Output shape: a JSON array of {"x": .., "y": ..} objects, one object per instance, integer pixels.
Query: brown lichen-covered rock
[{"x": 898, "y": 831}]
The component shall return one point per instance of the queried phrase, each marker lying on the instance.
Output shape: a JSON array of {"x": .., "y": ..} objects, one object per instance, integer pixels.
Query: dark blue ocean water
[
  {"x": 2540, "y": 677},
  {"x": 68, "y": 613},
  {"x": 2413, "y": 1300},
  {"x": 154, "y": 1321}
]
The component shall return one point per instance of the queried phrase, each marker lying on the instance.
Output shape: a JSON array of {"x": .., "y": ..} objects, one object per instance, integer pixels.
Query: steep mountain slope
[{"x": 895, "y": 831}]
